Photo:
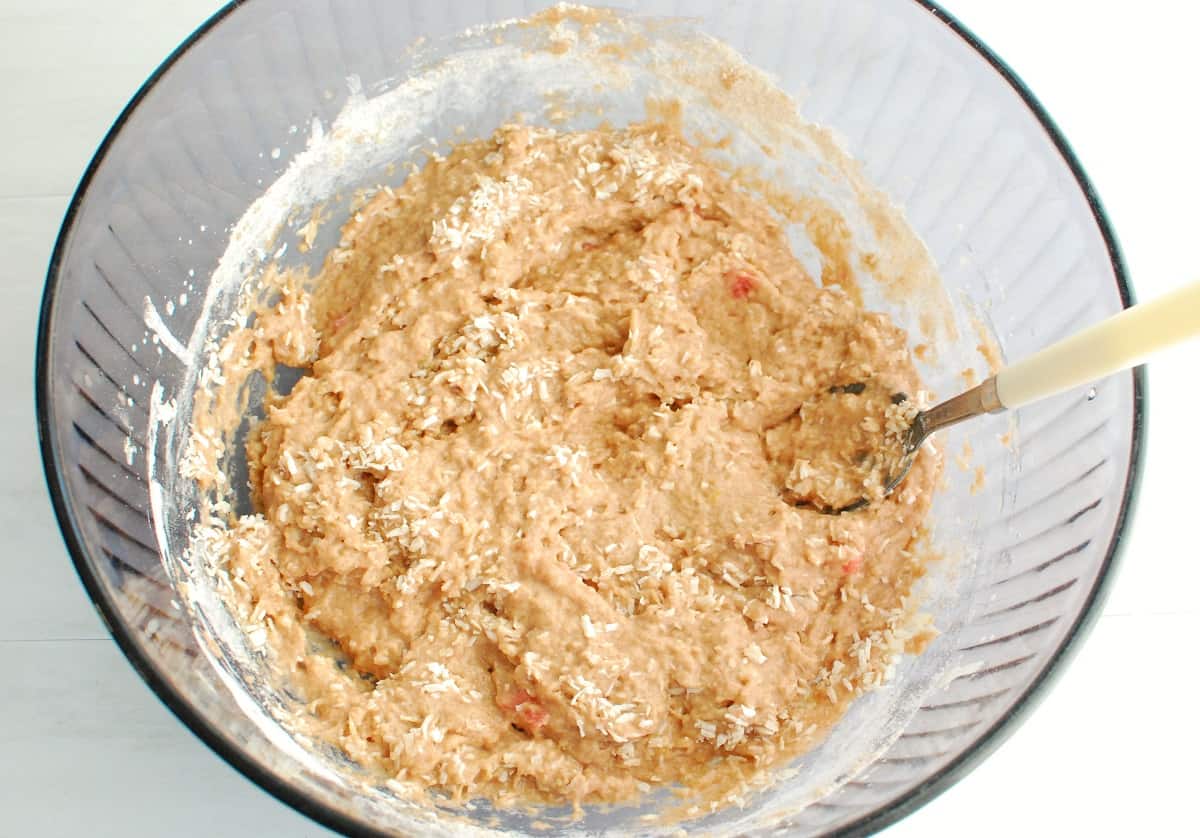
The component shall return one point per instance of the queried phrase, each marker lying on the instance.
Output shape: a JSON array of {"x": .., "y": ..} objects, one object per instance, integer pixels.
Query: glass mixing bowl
[{"x": 938, "y": 122}]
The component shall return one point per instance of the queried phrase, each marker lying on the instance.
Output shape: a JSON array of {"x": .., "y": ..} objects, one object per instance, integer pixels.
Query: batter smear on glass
[{"x": 547, "y": 485}]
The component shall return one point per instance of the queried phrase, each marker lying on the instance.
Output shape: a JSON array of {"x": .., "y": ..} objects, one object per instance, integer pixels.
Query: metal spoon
[{"x": 1110, "y": 346}]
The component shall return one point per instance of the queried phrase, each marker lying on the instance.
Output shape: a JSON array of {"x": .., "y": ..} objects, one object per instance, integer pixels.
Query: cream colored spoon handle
[{"x": 1118, "y": 343}]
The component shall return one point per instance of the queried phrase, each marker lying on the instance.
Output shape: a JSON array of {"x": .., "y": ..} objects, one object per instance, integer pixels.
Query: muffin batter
[{"x": 547, "y": 482}]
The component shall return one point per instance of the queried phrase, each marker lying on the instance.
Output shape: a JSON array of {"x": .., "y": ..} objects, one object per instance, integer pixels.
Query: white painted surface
[{"x": 85, "y": 748}]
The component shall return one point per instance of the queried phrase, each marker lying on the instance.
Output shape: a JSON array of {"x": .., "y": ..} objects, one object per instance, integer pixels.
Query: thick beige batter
[{"x": 540, "y": 485}]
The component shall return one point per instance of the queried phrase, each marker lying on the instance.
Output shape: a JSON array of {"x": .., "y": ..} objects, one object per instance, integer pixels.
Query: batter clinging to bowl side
[{"x": 540, "y": 486}]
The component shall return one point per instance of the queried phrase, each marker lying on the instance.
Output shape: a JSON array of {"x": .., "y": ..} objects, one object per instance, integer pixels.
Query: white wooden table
[{"x": 85, "y": 748}]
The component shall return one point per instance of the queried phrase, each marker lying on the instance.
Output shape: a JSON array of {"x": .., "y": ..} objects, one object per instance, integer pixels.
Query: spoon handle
[{"x": 1118, "y": 343}]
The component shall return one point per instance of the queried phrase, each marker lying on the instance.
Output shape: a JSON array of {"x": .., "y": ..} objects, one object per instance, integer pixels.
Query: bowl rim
[{"x": 334, "y": 819}]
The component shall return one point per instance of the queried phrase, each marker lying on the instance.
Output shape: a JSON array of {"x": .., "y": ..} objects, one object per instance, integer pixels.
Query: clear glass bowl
[{"x": 938, "y": 122}]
